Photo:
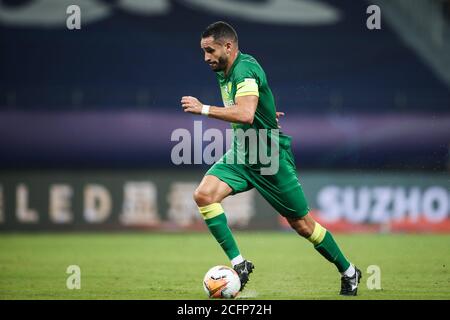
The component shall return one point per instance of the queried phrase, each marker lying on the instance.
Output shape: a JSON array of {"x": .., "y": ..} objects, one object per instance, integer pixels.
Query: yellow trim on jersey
[
  {"x": 240, "y": 85},
  {"x": 210, "y": 211},
  {"x": 248, "y": 87},
  {"x": 318, "y": 234},
  {"x": 249, "y": 93}
]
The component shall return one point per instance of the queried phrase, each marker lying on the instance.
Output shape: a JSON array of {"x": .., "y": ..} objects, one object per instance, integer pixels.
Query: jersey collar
[{"x": 236, "y": 61}]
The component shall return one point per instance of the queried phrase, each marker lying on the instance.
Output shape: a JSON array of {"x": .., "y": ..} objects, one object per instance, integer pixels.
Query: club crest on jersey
[{"x": 226, "y": 94}]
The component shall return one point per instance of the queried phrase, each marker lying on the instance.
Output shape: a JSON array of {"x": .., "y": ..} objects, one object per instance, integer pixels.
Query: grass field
[{"x": 171, "y": 266}]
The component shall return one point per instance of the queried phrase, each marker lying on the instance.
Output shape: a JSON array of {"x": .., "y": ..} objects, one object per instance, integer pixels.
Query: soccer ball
[{"x": 221, "y": 282}]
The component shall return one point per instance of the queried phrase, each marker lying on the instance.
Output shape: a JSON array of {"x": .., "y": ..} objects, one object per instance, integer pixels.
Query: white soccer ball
[{"x": 221, "y": 282}]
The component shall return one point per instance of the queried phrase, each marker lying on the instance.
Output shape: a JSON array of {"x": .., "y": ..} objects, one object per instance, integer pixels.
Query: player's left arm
[{"x": 242, "y": 112}]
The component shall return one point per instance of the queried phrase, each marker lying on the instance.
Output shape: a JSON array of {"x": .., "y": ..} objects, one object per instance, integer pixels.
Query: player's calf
[{"x": 325, "y": 244}]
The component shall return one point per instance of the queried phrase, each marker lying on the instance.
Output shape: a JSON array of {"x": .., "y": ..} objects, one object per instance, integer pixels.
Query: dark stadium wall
[{"x": 353, "y": 97}]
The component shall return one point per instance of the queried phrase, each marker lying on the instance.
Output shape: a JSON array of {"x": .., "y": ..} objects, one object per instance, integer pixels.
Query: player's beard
[{"x": 221, "y": 64}]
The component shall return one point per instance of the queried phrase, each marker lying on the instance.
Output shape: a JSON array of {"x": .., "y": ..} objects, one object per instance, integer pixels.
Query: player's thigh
[
  {"x": 234, "y": 175},
  {"x": 221, "y": 180},
  {"x": 289, "y": 202},
  {"x": 283, "y": 190},
  {"x": 211, "y": 190}
]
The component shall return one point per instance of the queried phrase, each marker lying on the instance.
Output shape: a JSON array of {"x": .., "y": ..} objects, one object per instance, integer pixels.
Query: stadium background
[
  {"x": 86, "y": 124},
  {"x": 86, "y": 116}
]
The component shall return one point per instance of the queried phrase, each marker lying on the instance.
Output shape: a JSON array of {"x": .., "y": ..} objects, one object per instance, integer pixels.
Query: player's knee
[
  {"x": 301, "y": 226},
  {"x": 203, "y": 197}
]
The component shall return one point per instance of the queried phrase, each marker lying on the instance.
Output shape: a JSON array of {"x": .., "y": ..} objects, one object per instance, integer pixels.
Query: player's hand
[
  {"x": 191, "y": 105},
  {"x": 279, "y": 114}
]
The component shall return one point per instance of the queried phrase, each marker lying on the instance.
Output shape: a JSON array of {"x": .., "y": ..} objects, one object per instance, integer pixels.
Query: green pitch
[{"x": 171, "y": 266}]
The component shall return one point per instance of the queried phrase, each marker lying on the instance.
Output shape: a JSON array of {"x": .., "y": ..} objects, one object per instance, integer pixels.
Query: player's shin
[
  {"x": 325, "y": 244},
  {"x": 217, "y": 224}
]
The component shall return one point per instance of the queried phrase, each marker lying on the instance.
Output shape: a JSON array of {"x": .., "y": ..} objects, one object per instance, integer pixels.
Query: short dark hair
[{"x": 220, "y": 30}]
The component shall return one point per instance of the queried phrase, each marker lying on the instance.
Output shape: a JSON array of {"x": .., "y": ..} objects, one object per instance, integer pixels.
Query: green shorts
[{"x": 282, "y": 190}]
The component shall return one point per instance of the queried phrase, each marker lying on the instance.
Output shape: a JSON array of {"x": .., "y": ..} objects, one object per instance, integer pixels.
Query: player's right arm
[
  {"x": 243, "y": 111},
  {"x": 245, "y": 100}
]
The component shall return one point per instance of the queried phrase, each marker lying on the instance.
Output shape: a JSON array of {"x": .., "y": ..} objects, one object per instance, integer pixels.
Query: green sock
[
  {"x": 218, "y": 226},
  {"x": 330, "y": 250}
]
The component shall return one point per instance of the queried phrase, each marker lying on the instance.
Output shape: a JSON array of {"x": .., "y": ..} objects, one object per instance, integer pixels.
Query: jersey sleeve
[{"x": 246, "y": 80}]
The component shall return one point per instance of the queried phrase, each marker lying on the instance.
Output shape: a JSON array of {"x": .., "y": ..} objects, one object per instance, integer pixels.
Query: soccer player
[{"x": 249, "y": 105}]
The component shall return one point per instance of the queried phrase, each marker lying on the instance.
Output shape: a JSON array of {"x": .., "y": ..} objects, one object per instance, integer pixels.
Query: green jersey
[
  {"x": 277, "y": 180},
  {"x": 246, "y": 77}
]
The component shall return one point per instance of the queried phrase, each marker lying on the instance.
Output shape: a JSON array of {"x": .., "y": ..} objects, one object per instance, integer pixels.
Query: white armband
[{"x": 205, "y": 109}]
